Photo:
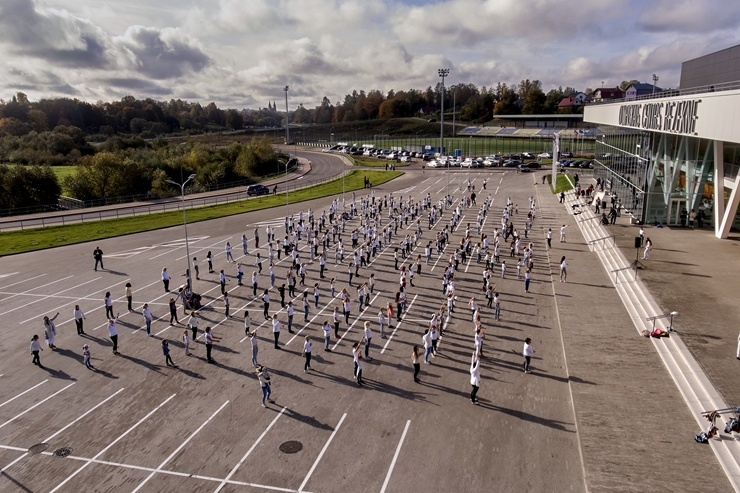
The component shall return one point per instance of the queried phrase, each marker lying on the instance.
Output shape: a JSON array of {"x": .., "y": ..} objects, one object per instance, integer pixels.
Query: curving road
[{"x": 315, "y": 167}]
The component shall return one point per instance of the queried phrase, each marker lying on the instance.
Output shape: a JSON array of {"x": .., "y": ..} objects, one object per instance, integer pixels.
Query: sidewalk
[{"x": 625, "y": 401}]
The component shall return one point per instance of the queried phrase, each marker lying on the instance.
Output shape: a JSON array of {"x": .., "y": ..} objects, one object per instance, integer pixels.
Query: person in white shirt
[
  {"x": 50, "y": 330},
  {"x": 327, "y": 335},
  {"x": 479, "y": 336},
  {"x": 113, "y": 333},
  {"x": 368, "y": 333},
  {"x": 434, "y": 334},
  {"x": 166, "y": 280},
  {"x": 147, "y": 314},
  {"x": 193, "y": 325},
  {"x": 527, "y": 352},
  {"x": 209, "y": 340},
  {"x": 186, "y": 342},
  {"x": 427, "y": 340},
  {"x": 307, "y": 354},
  {"x": 253, "y": 341},
  {"x": 563, "y": 269},
  {"x": 247, "y": 323},
  {"x": 266, "y": 304},
  {"x": 276, "y": 330},
  {"x": 562, "y": 233},
  {"x": 290, "y": 312},
  {"x": 35, "y": 349},
  {"x": 474, "y": 378},
  {"x": 358, "y": 377},
  {"x": 381, "y": 322},
  {"x": 79, "y": 316}
]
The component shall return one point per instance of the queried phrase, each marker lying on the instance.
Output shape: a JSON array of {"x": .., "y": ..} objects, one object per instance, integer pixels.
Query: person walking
[
  {"x": 527, "y": 352},
  {"x": 474, "y": 378},
  {"x": 50, "y": 330},
  {"x": 98, "y": 256},
  {"x": 415, "y": 355},
  {"x": 276, "y": 325},
  {"x": 563, "y": 269},
  {"x": 210, "y": 339},
  {"x": 327, "y": 335},
  {"x": 36, "y": 349},
  {"x": 166, "y": 280},
  {"x": 264, "y": 379},
  {"x": 86, "y": 357},
  {"x": 108, "y": 305},
  {"x": 254, "y": 343},
  {"x": 549, "y": 238},
  {"x": 129, "y": 296},
  {"x": 173, "y": 312},
  {"x": 166, "y": 351},
  {"x": 148, "y": 318},
  {"x": 307, "y": 354},
  {"x": 79, "y": 316},
  {"x": 113, "y": 333},
  {"x": 648, "y": 247}
]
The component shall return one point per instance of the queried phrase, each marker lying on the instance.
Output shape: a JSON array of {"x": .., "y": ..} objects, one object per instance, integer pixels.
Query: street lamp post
[
  {"x": 287, "y": 199},
  {"x": 655, "y": 81},
  {"x": 287, "y": 121},
  {"x": 443, "y": 72},
  {"x": 185, "y": 224}
]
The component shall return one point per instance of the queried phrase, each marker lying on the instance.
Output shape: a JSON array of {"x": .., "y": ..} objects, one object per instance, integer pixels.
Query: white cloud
[{"x": 242, "y": 53}]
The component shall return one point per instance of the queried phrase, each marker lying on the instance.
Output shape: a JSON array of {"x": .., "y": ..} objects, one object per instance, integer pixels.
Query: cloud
[
  {"x": 163, "y": 54},
  {"x": 690, "y": 16}
]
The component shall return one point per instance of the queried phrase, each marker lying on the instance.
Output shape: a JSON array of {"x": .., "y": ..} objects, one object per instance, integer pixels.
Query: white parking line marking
[
  {"x": 120, "y": 437},
  {"x": 254, "y": 445},
  {"x": 403, "y": 317},
  {"x": 395, "y": 457},
  {"x": 35, "y": 405},
  {"x": 24, "y": 392},
  {"x": 321, "y": 454},
  {"x": 177, "y": 450}
]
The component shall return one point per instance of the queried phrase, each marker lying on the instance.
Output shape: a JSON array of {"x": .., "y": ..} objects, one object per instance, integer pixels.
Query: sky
[{"x": 242, "y": 53}]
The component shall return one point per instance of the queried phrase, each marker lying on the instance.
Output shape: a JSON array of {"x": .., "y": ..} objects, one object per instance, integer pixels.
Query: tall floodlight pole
[
  {"x": 655, "y": 81},
  {"x": 287, "y": 130},
  {"x": 443, "y": 72},
  {"x": 185, "y": 223}
]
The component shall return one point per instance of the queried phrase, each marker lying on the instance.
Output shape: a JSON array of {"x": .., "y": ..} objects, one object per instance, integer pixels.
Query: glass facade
[{"x": 658, "y": 177}]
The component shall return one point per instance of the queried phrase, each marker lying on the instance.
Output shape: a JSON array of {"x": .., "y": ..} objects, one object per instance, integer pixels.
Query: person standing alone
[
  {"x": 98, "y": 256},
  {"x": 527, "y": 352},
  {"x": 79, "y": 316},
  {"x": 210, "y": 338},
  {"x": 35, "y": 349},
  {"x": 474, "y": 378}
]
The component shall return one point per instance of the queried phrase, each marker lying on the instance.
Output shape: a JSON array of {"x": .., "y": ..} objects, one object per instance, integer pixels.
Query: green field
[{"x": 53, "y": 236}]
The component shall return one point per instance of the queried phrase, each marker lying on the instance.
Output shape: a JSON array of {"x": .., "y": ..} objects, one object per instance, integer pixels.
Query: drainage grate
[
  {"x": 63, "y": 452},
  {"x": 38, "y": 448},
  {"x": 291, "y": 447}
]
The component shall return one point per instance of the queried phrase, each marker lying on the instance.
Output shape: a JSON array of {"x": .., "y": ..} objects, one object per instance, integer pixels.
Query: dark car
[
  {"x": 566, "y": 154},
  {"x": 511, "y": 163},
  {"x": 527, "y": 167},
  {"x": 257, "y": 190}
]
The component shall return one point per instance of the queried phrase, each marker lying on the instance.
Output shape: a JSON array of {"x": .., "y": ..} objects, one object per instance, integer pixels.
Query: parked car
[
  {"x": 544, "y": 155},
  {"x": 566, "y": 154},
  {"x": 257, "y": 190},
  {"x": 527, "y": 167},
  {"x": 527, "y": 155},
  {"x": 432, "y": 164},
  {"x": 511, "y": 163}
]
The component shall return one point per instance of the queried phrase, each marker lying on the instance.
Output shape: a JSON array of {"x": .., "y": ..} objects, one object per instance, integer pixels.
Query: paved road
[
  {"x": 314, "y": 168},
  {"x": 586, "y": 419}
]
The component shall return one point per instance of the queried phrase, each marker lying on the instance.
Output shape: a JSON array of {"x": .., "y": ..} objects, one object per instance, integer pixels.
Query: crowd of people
[{"x": 351, "y": 237}]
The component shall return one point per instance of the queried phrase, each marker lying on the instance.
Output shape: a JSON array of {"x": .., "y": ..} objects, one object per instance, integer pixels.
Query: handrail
[
  {"x": 588, "y": 218},
  {"x": 600, "y": 239}
]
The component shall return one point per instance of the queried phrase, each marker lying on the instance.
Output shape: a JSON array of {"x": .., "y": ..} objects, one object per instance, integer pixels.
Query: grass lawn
[
  {"x": 561, "y": 184},
  {"x": 53, "y": 236}
]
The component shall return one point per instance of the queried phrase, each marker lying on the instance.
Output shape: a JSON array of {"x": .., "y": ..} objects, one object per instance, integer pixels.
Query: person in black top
[{"x": 98, "y": 256}]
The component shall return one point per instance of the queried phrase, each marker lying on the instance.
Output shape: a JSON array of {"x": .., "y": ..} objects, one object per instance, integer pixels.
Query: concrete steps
[{"x": 697, "y": 390}]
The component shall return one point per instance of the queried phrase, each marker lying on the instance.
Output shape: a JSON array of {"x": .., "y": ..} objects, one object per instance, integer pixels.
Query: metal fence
[{"x": 157, "y": 206}]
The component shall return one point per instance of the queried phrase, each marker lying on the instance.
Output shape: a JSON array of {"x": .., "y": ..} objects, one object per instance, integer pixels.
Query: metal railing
[
  {"x": 670, "y": 93},
  {"x": 163, "y": 206}
]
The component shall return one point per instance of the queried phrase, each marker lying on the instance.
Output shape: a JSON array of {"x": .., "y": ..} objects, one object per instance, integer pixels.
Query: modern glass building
[{"x": 673, "y": 152}]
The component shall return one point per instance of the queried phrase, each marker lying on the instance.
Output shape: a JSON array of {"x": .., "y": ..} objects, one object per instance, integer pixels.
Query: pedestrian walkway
[{"x": 606, "y": 351}]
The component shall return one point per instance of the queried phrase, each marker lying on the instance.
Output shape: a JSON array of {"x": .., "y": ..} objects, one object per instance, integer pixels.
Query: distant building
[
  {"x": 572, "y": 103},
  {"x": 606, "y": 93},
  {"x": 635, "y": 91}
]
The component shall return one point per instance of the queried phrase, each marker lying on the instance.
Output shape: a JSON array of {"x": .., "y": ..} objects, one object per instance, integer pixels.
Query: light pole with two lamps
[
  {"x": 443, "y": 72},
  {"x": 189, "y": 276}
]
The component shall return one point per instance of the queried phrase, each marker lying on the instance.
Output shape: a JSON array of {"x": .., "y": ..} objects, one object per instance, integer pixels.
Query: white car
[
  {"x": 544, "y": 155},
  {"x": 432, "y": 164},
  {"x": 467, "y": 163}
]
